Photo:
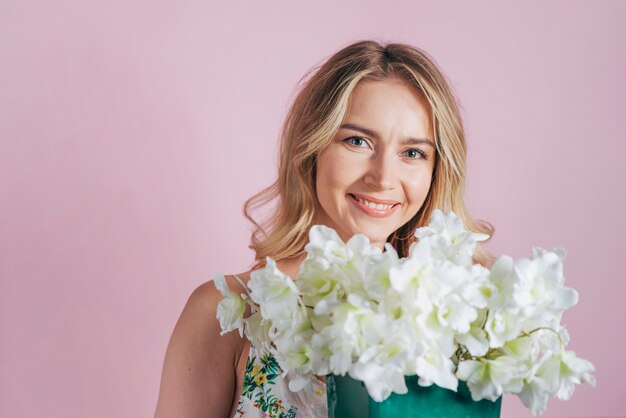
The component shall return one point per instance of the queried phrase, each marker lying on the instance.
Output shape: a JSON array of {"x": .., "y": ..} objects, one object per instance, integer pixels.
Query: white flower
[
  {"x": 407, "y": 274},
  {"x": 324, "y": 242},
  {"x": 449, "y": 239},
  {"x": 549, "y": 340},
  {"x": 380, "y": 381},
  {"x": 293, "y": 352},
  {"x": 534, "y": 396},
  {"x": 502, "y": 326},
  {"x": 295, "y": 381},
  {"x": 539, "y": 292},
  {"x": 389, "y": 343},
  {"x": 558, "y": 251},
  {"x": 527, "y": 294},
  {"x": 435, "y": 367},
  {"x": 524, "y": 348},
  {"x": 554, "y": 374},
  {"x": 488, "y": 379},
  {"x": 475, "y": 340},
  {"x": 230, "y": 310},
  {"x": 561, "y": 371},
  {"x": 344, "y": 265},
  {"x": 257, "y": 330},
  {"x": 340, "y": 360},
  {"x": 477, "y": 289},
  {"x": 377, "y": 280},
  {"x": 431, "y": 325},
  {"x": 456, "y": 314},
  {"x": 503, "y": 278},
  {"x": 342, "y": 337},
  {"x": 321, "y": 350},
  {"x": 317, "y": 282},
  {"x": 274, "y": 291}
]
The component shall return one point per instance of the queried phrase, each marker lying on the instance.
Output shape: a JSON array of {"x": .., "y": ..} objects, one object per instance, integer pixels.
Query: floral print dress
[{"x": 265, "y": 393}]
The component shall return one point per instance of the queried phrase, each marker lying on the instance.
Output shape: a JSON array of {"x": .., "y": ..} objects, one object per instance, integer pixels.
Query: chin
[{"x": 376, "y": 236}]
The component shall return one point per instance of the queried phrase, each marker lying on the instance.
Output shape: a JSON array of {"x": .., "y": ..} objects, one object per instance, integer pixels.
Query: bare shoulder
[{"x": 199, "y": 371}]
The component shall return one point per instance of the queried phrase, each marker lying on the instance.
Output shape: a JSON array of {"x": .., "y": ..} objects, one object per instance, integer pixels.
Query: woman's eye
[
  {"x": 356, "y": 141},
  {"x": 414, "y": 153}
]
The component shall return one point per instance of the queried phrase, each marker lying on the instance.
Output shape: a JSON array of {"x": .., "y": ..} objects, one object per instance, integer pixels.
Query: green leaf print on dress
[{"x": 258, "y": 379}]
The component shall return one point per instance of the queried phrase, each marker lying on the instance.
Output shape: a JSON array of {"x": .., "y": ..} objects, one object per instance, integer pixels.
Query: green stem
[{"x": 527, "y": 334}]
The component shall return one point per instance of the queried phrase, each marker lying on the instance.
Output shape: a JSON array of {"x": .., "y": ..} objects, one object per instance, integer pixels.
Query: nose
[{"x": 381, "y": 173}]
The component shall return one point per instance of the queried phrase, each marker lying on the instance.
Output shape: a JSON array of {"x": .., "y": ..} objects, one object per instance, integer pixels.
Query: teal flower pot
[{"x": 348, "y": 398}]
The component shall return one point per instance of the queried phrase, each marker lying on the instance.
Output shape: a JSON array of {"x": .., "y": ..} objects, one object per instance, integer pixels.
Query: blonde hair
[{"x": 313, "y": 121}]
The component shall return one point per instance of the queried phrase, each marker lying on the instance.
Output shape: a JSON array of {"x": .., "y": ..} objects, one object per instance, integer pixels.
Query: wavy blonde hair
[{"x": 313, "y": 121}]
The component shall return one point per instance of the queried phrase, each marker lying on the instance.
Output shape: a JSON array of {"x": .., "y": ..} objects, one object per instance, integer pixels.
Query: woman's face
[{"x": 375, "y": 174}]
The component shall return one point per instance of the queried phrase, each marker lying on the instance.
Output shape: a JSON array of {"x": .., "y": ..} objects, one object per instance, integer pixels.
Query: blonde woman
[{"x": 372, "y": 144}]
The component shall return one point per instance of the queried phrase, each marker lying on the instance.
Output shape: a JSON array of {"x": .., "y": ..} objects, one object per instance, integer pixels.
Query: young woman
[{"x": 373, "y": 143}]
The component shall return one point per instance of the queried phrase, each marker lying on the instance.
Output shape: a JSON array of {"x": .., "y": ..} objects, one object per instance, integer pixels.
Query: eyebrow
[{"x": 366, "y": 131}]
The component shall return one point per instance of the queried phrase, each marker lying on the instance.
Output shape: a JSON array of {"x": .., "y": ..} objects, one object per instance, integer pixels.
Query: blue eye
[
  {"x": 414, "y": 153},
  {"x": 356, "y": 141}
]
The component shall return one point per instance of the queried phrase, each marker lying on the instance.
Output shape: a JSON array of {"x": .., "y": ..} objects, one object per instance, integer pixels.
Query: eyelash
[{"x": 419, "y": 151}]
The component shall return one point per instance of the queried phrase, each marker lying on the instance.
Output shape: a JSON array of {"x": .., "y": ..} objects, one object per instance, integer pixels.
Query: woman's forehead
[{"x": 389, "y": 106}]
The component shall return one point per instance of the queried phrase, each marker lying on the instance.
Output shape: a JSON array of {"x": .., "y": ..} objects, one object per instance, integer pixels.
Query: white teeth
[{"x": 377, "y": 206}]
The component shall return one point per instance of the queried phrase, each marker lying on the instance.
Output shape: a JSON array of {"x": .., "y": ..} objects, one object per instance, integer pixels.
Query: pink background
[{"x": 132, "y": 132}]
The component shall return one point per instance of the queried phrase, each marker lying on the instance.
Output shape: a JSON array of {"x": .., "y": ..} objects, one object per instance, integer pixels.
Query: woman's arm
[{"x": 199, "y": 372}]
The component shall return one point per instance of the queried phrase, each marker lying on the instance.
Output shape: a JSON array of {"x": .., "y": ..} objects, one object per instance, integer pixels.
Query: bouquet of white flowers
[{"x": 357, "y": 310}]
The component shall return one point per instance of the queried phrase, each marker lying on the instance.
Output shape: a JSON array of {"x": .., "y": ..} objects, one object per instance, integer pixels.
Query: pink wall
[{"x": 131, "y": 134}]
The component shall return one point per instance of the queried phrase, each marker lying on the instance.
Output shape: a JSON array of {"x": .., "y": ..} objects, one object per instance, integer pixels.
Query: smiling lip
[{"x": 358, "y": 199}]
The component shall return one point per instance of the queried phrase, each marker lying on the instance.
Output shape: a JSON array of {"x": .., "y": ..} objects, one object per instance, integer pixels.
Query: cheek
[
  {"x": 418, "y": 187},
  {"x": 334, "y": 174},
  {"x": 324, "y": 181}
]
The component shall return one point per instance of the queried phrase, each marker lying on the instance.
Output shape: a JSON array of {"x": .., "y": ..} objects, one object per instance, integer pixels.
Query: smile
[{"x": 376, "y": 208}]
